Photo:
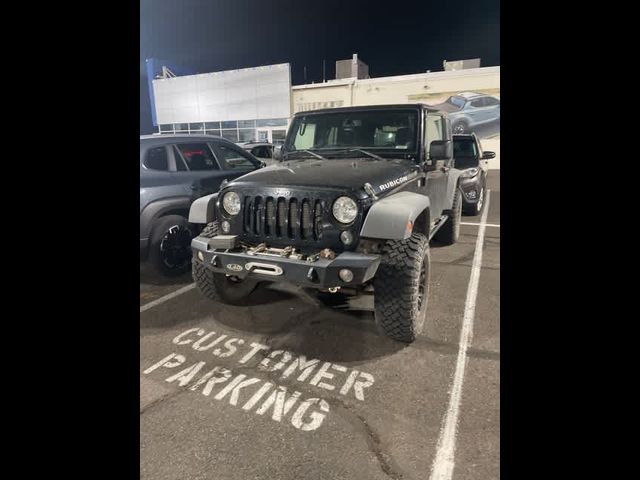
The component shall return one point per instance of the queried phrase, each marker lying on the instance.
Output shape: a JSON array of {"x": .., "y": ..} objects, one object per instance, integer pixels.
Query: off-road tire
[
  {"x": 401, "y": 288},
  {"x": 218, "y": 286},
  {"x": 158, "y": 259},
  {"x": 449, "y": 232}
]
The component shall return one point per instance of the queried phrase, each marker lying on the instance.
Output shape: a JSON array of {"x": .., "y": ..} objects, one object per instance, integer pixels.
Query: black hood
[{"x": 339, "y": 174}]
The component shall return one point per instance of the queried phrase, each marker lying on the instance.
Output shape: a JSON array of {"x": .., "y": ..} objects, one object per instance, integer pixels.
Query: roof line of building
[{"x": 403, "y": 78}]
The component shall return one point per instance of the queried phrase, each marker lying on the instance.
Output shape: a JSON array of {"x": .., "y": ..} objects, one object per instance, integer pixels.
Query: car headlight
[
  {"x": 345, "y": 209},
  {"x": 470, "y": 172},
  {"x": 231, "y": 203}
]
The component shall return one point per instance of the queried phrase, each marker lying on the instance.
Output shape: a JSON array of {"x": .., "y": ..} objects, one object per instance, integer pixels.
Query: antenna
[
  {"x": 323, "y": 76},
  {"x": 305, "y": 74}
]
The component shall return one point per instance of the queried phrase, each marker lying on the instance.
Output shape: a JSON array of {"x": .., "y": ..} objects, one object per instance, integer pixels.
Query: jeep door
[{"x": 437, "y": 173}]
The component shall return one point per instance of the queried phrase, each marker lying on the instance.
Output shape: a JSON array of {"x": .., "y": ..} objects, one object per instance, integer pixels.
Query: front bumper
[
  {"x": 321, "y": 273},
  {"x": 471, "y": 188}
]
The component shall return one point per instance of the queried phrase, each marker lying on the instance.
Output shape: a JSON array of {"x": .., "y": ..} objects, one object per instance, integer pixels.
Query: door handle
[{"x": 445, "y": 169}]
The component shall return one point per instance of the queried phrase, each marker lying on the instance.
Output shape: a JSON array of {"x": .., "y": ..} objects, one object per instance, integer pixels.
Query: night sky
[{"x": 392, "y": 38}]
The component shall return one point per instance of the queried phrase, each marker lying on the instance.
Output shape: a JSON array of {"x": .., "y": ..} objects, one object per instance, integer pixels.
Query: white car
[{"x": 469, "y": 109}]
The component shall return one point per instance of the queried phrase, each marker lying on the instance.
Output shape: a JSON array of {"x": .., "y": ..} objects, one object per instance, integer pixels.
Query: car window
[
  {"x": 457, "y": 101},
  {"x": 262, "y": 152},
  {"x": 465, "y": 153},
  {"x": 197, "y": 156},
  {"x": 157, "y": 159},
  {"x": 478, "y": 102},
  {"x": 234, "y": 159},
  {"x": 490, "y": 102}
]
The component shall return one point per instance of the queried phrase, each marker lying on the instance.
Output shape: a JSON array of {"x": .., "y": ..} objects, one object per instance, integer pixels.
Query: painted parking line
[
  {"x": 168, "y": 296},
  {"x": 444, "y": 461},
  {"x": 478, "y": 224}
]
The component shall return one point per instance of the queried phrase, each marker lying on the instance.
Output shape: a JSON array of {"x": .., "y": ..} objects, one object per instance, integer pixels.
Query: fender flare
[
  {"x": 453, "y": 183},
  {"x": 392, "y": 217},
  {"x": 156, "y": 209},
  {"x": 203, "y": 210}
]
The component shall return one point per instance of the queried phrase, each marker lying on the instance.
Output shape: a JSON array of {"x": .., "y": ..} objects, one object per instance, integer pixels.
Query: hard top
[{"x": 397, "y": 106}]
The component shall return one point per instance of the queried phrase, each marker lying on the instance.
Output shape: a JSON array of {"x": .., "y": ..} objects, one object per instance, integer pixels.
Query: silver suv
[{"x": 469, "y": 109}]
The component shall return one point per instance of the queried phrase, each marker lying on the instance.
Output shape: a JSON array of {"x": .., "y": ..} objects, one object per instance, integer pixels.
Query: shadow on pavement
[
  {"x": 148, "y": 276},
  {"x": 329, "y": 330}
]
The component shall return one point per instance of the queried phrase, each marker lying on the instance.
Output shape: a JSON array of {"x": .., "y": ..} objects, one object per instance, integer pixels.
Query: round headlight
[
  {"x": 345, "y": 210},
  {"x": 231, "y": 203}
]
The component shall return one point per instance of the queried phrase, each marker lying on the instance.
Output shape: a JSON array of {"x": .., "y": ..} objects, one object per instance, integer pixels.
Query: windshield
[
  {"x": 457, "y": 101},
  {"x": 465, "y": 153},
  {"x": 375, "y": 130}
]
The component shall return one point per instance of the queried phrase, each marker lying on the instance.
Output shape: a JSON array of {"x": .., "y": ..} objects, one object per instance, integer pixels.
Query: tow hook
[{"x": 334, "y": 289}]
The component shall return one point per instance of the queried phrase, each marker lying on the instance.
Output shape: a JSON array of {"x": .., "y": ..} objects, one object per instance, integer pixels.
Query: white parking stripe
[
  {"x": 444, "y": 462},
  {"x": 168, "y": 296},
  {"x": 478, "y": 224}
]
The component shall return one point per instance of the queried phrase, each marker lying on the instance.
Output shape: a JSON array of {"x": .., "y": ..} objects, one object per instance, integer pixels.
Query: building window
[
  {"x": 166, "y": 128},
  {"x": 246, "y": 124},
  {"x": 196, "y": 128},
  {"x": 272, "y": 122},
  {"x": 212, "y": 126},
  {"x": 230, "y": 134},
  {"x": 246, "y": 134},
  {"x": 181, "y": 127},
  {"x": 230, "y": 124}
]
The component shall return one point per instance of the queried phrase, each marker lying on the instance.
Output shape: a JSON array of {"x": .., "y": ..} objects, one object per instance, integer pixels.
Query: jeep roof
[{"x": 396, "y": 106}]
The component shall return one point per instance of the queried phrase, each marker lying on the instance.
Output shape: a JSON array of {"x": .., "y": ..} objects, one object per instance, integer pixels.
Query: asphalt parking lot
[{"x": 296, "y": 387}]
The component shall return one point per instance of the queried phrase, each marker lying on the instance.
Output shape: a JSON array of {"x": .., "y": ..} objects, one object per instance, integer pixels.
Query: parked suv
[
  {"x": 358, "y": 195},
  {"x": 261, "y": 150},
  {"x": 174, "y": 171},
  {"x": 474, "y": 165},
  {"x": 467, "y": 110}
]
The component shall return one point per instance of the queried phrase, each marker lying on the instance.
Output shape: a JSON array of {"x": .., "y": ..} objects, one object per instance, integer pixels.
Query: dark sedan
[{"x": 469, "y": 157}]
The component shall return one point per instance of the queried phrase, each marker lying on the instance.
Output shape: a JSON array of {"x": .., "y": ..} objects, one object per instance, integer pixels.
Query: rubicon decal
[{"x": 396, "y": 182}]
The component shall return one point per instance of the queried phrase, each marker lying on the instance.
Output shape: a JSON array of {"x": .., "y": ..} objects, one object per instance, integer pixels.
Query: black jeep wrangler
[{"x": 358, "y": 194}]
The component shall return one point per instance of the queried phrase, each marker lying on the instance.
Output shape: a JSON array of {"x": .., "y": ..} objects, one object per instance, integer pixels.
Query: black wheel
[
  {"x": 401, "y": 288},
  {"x": 170, "y": 245},
  {"x": 449, "y": 232},
  {"x": 219, "y": 287},
  {"x": 474, "y": 209},
  {"x": 460, "y": 127}
]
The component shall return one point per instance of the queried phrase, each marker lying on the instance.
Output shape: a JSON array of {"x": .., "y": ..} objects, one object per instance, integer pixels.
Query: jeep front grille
[{"x": 282, "y": 218}]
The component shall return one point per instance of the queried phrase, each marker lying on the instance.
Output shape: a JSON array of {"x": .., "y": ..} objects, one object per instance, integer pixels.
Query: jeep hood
[{"x": 339, "y": 174}]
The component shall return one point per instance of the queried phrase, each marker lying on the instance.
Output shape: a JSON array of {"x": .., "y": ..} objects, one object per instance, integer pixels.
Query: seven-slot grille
[{"x": 279, "y": 217}]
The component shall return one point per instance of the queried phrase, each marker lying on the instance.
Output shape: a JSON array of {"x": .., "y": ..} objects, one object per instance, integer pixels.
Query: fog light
[
  {"x": 345, "y": 275},
  {"x": 226, "y": 227},
  {"x": 472, "y": 194},
  {"x": 200, "y": 256},
  {"x": 346, "y": 237}
]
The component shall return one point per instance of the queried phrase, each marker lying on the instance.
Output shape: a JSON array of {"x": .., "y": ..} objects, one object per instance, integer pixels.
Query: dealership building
[{"x": 258, "y": 103}]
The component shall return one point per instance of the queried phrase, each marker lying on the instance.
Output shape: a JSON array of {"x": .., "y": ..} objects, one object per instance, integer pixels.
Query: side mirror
[
  {"x": 488, "y": 155},
  {"x": 277, "y": 153},
  {"x": 263, "y": 164},
  {"x": 441, "y": 150}
]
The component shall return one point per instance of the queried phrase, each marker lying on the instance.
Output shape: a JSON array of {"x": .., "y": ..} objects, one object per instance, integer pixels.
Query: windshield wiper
[
  {"x": 304, "y": 151},
  {"x": 372, "y": 155}
]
